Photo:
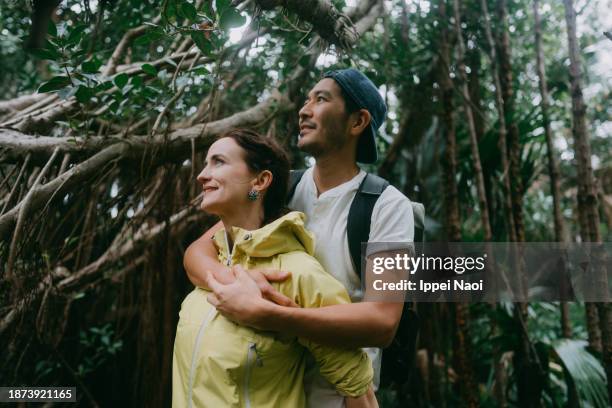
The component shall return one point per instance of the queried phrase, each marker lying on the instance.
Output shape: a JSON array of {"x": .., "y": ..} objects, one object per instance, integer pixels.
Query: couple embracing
[{"x": 249, "y": 335}]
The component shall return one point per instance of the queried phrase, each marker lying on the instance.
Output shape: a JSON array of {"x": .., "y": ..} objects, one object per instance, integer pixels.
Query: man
[{"x": 338, "y": 124}]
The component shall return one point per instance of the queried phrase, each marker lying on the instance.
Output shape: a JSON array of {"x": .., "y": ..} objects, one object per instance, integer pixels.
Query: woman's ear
[{"x": 263, "y": 180}]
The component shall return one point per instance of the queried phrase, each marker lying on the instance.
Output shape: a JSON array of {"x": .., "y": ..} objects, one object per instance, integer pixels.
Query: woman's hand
[{"x": 367, "y": 400}]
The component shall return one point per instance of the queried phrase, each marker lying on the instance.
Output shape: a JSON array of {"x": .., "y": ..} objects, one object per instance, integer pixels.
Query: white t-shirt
[{"x": 326, "y": 216}]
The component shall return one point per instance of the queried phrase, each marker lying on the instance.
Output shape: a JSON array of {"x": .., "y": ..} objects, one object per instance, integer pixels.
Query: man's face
[{"x": 323, "y": 119}]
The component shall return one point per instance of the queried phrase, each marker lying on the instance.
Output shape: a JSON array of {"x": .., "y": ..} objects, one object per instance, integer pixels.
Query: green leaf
[
  {"x": 137, "y": 81},
  {"x": 188, "y": 11},
  {"x": 90, "y": 67},
  {"x": 84, "y": 94},
  {"x": 54, "y": 84},
  {"x": 201, "y": 70},
  {"x": 114, "y": 106},
  {"x": 104, "y": 86},
  {"x": 80, "y": 52},
  {"x": 170, "y": 11},
  {"x": 222, "y": 5},
  {"x": 202, "y": 42},
  {"x": 149, "y": 69},
  {"x": 231, "y": 18},
  {"x": 304, "y": 61},
  {"x": 143, "y": 40},
  {"x": 76, "y": 34},
  {"x": 52, "y": 29},
  {"x": 47, "y": 54},
  {"x": 120, "y": 80},
  {"x": 151, "y": 36},
  {"x": 586, "y": 371}
]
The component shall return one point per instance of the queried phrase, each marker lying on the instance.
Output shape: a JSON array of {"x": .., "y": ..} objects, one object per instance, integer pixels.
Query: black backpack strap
[
  {"x": 360, "y": 216},
  {"x": 294, "y": 178}
]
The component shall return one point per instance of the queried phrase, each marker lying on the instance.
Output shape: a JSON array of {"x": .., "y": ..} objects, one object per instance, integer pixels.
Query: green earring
[{"x": 253, "y": 194}]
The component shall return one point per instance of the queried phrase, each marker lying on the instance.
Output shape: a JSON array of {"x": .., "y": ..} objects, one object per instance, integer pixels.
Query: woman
[{"x": 220, "y": 364}]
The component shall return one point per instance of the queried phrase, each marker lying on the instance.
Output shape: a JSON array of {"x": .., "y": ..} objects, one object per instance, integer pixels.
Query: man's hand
[
  {"x": 263, "y": 277},
  {"x": 367, "y": 400},
  {"x": 242, "y": 300}
]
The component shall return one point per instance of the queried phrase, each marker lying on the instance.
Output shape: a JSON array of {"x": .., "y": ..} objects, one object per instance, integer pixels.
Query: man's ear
[
  {"x": 263, "y": 180},
  {"x": 360, "y": 121}
]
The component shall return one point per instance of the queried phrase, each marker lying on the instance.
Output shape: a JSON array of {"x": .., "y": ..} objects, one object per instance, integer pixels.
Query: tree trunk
[
  {"x": 503, "y": 132},
  {"x": 512, "y": 142},
  {"x": 472, "y": 59},
  {"x": 476, "y": 162},
  {"x": 587, "y": 191},
  {"x": 528, "y": 371},
  {"x": 587, "y": 194},
  {"x": 467, "y": 385},
  {"x": 449, "y": 165},
  {"x": 553, "y": 167},
  {"x": 480, "y": 122},
  {"x": 592, "y": 323},
  {"x": 566, "y": 325}
]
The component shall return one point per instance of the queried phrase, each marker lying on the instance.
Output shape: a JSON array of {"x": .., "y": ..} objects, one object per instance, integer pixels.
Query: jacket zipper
[
  {"x": 227, "y": 248},
  {"x": 251, "y": 351},
  {"x": 205, "y": 323},
  {"x": 203, "y": 326}
]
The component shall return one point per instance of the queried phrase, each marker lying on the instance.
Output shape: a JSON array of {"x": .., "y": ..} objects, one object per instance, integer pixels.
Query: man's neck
[{"x": 330, "y": 172}]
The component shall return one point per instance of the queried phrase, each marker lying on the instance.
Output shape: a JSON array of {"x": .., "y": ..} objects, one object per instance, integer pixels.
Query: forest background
[{"x": 499, "y": 122}]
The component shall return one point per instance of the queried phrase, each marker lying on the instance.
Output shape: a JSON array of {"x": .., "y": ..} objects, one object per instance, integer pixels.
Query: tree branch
[
  {"x": 9, "y": 106},
  {"x": 71, "y": 283},
  {"x": 21, "y": 216},
  {"x": 125, "y": 42},
  {"x": 176, "y": 147},
  {"x": 41, "y": 147},
  {"x": 332, "y": 25},
  {"x": 16, "y": 184}
]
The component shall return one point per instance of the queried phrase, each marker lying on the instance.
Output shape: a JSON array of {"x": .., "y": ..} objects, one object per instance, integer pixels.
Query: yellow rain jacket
[{"x": 218, "y": 363}]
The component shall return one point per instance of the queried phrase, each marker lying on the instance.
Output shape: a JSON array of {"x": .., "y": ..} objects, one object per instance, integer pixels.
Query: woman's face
[{"x": 226, "y": 179}]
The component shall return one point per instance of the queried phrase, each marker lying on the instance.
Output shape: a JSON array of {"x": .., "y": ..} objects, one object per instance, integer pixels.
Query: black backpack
[{"x": 402, "y": 351}]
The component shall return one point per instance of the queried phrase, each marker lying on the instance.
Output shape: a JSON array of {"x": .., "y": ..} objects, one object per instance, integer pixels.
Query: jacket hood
[{"x": 285, "y": 234}]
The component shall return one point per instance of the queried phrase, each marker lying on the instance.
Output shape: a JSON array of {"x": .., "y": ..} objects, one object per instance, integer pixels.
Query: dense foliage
[{"x": 108, "y": 108}]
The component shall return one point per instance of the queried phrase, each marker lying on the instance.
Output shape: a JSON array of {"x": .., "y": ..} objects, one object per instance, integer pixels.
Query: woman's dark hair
[{"x": 265, "y": 153}]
